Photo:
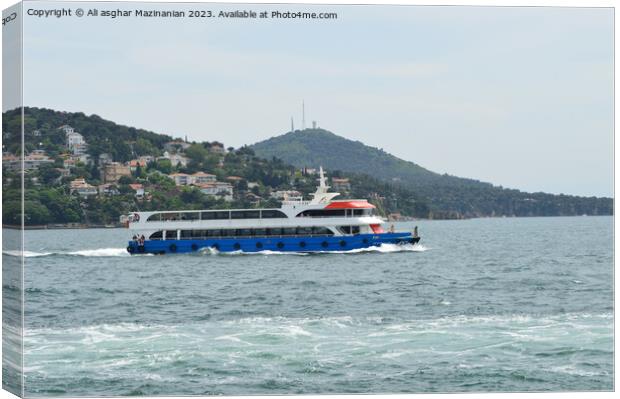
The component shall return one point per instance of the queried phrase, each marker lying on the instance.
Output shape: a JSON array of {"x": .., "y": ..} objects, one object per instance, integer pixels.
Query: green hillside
[
  {"x": 52, "y": 197},
  {"x": 447, "y": 196},
  {"x": 103, "y": 136}
]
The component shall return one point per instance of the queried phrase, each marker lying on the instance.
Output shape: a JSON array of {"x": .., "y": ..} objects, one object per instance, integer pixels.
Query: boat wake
[
  {"x": 122, "y": 252},
  {"x": 98, "y": 252},
  {"x": 384, "y": 248}
]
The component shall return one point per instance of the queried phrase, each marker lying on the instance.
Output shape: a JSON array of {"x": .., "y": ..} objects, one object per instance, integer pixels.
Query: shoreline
[
  {"x": 74, "y": 226},
  {"x": 64, "y": 227}
]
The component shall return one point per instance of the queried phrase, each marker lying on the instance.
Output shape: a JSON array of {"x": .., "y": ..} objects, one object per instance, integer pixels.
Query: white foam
[
  {"x": 228, "y": 338},
  {"x": 268, "y": 252},
  {"x": 208, "y": 251},
  {"x": 383, "y": 248},
  {"x": 295, "y": 330},
  {"x": 392, "y": 355},
  {"x": 26, "y": 254},
  {"x": 99, "y": 252},
  {"x": 572, "y": 370}
]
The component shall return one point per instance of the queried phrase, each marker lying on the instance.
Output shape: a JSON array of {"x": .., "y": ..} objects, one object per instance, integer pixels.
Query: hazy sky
[{"x": 519, "y": 97}]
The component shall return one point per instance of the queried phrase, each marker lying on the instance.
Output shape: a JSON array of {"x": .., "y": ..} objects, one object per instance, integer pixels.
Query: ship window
[
  {"x": 190, "y": 216},
  {"x": 156, "y": 236},
  {"x": 322, "y": 231},
  {"x": 318, "y": 213},
  {"x": 215, "y": 215},
  {"x": 349, "y": 229},
  {"x": 289, "y": 231},
  {"x": 207, "y": 215},
  {"x": 198, "y": 233},
  {"x": 304, "y": 231},
  {"x": 272, "y": 214},
  {"x": 228, "y": 233},
  {"x": 222, "y": 215},
  {"x": 358, "y": 212},
  {"x": 214, "y": 233},
  {"x": 154, "y": 218},
  {"x": 171, "y": 234},
  {"x": 244, "y": 232},
  {"x": 186, "y": 234},
  {"x": 170, "y": 216},
  {"x": 245, "y": 214},
  {"x": 274, "y": 232},
  {"x": 260, "y": 232}
]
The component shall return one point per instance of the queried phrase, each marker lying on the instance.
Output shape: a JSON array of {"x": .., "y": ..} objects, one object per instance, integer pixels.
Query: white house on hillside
[
  {"x": 75, "y": 141},
  {"x": 222, "y": 189},
  {"x": 66, "y": 128},
  {"x": 82, "y": 188},
  {"x": 202, "y": 177},
  {"x": 175, "y": 159},
  {"x": 181, "y": 179}
]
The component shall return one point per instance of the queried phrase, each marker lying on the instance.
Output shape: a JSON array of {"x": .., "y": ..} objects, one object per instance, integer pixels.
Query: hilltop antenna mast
[
  {"x": 292, "y": 125},
  {"x": 303, "y": 115}
]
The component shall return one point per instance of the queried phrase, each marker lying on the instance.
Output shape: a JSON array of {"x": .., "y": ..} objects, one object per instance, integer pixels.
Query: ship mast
[{"x": 321, "y": 196}]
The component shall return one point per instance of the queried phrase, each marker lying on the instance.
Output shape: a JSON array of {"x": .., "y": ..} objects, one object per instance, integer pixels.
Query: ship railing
[
  {"x": 235, "y": 237},
  {"x": 296, "y": 202},
  {"x": 332, "y": 216}
]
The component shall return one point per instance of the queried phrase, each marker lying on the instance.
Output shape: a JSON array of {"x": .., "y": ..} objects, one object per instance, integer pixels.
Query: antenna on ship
[
  {"x": 303, "y": 115},
  {"x": 322, "y": 184}
]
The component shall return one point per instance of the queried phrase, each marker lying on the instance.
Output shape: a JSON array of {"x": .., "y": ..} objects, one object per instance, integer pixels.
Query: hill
[
  {"x": 85, "y": 170},
  {"x": 446, "y": 195},
  {"x": 103, "y": 136}
]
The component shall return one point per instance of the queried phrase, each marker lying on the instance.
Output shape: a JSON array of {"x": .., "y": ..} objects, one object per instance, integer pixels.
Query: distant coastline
[
  {"x": 81, "y": 226},
  {"x": 68, "y": 226}
]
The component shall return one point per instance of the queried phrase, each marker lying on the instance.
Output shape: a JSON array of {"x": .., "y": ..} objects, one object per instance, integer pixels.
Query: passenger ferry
[{"x": 319, "y": 225}]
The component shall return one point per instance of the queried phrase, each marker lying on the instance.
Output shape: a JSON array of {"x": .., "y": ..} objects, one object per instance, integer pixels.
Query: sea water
[{"x": 514, "y": 304}]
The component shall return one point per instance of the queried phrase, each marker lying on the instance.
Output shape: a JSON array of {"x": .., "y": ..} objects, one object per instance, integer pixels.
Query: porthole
[
  {"x": 302, "y": 244},
  {"x": 259, "y": 245},
  {"x": 280, "y": 245},
  {"x": 343, "y": 243},
  {"x": 324, "y": 244},
  {"x": 237, "y": 246},
  {"x": 365, "y": 240},
  {"x": 194, "y": 247},
  {"x": 173, "y": 247}
]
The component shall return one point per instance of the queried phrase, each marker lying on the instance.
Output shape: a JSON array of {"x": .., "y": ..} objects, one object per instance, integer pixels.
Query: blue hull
[{"x": 282, "y": 244}]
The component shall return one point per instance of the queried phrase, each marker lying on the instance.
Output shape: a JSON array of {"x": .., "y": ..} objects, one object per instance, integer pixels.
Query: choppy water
[{"x": 482, "y": 305}]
